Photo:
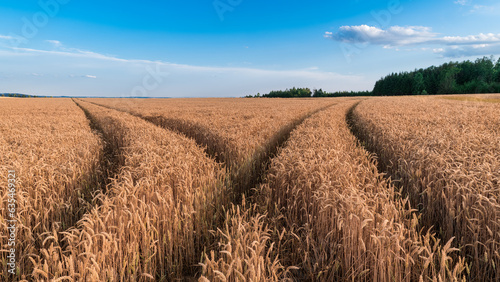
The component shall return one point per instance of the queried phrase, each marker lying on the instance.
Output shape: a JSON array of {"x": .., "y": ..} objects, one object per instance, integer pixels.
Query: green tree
[
  {"x": 485, "y": 68},
  {"x": 497, "y": 71},
  {"x": 318, "y": 93},
  {"x": 448, "y": 83},
  {"x": 418, "y": 83}
]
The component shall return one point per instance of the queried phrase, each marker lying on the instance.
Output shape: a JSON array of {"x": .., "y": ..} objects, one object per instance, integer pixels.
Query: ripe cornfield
[{"x": 333, "y": 189}]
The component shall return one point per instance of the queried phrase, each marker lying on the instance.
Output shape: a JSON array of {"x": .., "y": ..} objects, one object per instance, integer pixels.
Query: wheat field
[
  {"x": 448, "y": 163},
  {"x": 333, "y": 189},
  {"x": 36, "y": 135}
]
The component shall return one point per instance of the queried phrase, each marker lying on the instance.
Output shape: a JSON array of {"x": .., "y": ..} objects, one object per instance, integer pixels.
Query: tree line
[
  {"x": 480, "y": 76},
  {"x": 467, "y": 77},
  {"x": 17, "y": 95},
  {"x": 307, "y": 93}
]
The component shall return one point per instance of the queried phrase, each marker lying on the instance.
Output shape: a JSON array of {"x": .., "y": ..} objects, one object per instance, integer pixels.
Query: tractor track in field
[
  {"x": 363, "y": 138},
  {"x": 262, "y": 160},
  {"x": 189, "y": 129},
  {"x": 243, "y": 177},
  {"x": 109, "y": 160},
  {"x": 99, "y": 179},
  {"x": 383, "y": 165}
]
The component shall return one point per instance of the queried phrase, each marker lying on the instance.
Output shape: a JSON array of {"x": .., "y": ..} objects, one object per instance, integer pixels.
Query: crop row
[
  {"x": 116, "y": 198},
  {"x": 155, "y": 215},
  {"x": 56, "y": 160},
  {"x": 324, "y": 213},
  {"x": 234, "y": 130},
  {"x": 445, "y": 155}
]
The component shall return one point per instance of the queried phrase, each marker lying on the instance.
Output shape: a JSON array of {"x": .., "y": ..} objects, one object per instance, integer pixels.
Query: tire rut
[
  {"x": 110, "y": 161},
  {"x": 243, "y": 177},
  {"x": 396, "y": 178}
]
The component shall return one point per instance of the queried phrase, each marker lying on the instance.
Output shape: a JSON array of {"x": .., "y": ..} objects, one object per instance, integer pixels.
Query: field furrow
[
  {"x": 153, "y": 223},
  {"x": 445, "y": 155},
  {"x": 55, "y": 157},
  {"x": 249, "y": 241},
  {"x": 109, "y": 158},
  {"x": 341, "y": 219},
  {"x": 347, "y": 189},
  {"x": 235, "y": 129},
  {"x": 242, "y": 136}
]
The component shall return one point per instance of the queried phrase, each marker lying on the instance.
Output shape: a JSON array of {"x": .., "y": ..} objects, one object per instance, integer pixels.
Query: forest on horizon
[{"x": 467, "y": 77}]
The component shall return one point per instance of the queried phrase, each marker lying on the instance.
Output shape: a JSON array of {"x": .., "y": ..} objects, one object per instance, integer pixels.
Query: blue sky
[{"x": 230, "y": 48}]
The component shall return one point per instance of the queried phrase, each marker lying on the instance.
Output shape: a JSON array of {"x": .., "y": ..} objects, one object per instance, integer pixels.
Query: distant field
[
  {"x": 491, "y": 98},
  {"x": 333, "y": 189}
]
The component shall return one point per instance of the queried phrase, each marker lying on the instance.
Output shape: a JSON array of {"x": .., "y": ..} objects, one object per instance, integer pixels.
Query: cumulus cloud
[
  {"x": 397, "y": 36},
  {"x": 90, "y": 76}
]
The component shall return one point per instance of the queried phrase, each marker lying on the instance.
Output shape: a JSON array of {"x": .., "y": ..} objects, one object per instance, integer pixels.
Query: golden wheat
[
  {"x": 55, "y": 156},
  {"x": 322, "y": 211},
  {"x": 234, "y": 128},
  {"x": 446, "y": 156},
  {"x": 242, "y": 134},
  {"x": 246, "y": 250},
  {"x": 346, "y": 222},
  {"x": 156, "y": 215}
]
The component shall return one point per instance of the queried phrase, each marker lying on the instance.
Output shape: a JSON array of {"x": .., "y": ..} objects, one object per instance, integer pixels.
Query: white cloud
[
  {"x": 118, "y": 76},
  {"x": 393, "y": 36},
  {"x": 76, "y": 53},
  {"x": 468, "y": 50},
  {"x": 396, "y": 36},
  {"x": 401, "y": 36},
  {"x": 461, "y": 2},
  {"x": 56, "y": 43},
  {"x": 486, "y": 9},
  {"x": 471, "y": 39},
  {"x": 6, "y": 37}
]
